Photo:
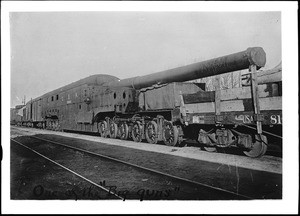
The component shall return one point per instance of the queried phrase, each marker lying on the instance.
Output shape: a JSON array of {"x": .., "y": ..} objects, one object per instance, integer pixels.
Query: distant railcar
[
  {"x": 163, "y": 107},
  {"x": 16, "y": 114}
]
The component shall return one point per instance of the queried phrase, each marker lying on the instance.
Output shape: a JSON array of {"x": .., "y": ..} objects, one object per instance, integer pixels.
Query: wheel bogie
[
  {"x": 123, "y": 131},
  {"x": 113, "y": 129},
  {"x": 170, "y": 134},
  {"x": 151, "y": 132},
  {"x": 253, "y": 145},
  {"x": 258, "y": 148},
  {"x": 137, "y": 131},
  {"x": 103, "y": 127},
  {"x": 157, "y": 129}
]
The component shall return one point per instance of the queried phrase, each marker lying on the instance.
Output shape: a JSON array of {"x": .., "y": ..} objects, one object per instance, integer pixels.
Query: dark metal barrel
[{"x": 233, "y": 62}]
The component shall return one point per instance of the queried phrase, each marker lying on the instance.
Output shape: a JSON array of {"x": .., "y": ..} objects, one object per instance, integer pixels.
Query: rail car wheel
[
  {"x": 123, "y": 131},
  {"x": 170, "y": 134},
  {"x": 259, "y": 147},
  {"x": 151, "y": 132},
  {"x": 52, "y": 125},
  {"x": 113, "y": 129},
  {"x": 55, "y": 125},
  {"x": 48, "y": 125},
  {"x": 103, "y": 129},
  {"x": 137, "y": 131}
]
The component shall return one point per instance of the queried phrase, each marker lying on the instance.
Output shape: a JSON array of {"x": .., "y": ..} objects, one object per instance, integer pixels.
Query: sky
[{"x": 52, "y": 49}]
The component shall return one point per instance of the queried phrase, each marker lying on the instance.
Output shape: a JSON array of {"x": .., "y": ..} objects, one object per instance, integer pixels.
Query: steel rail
[
  {"x": 73, "y": 172},
  {"x": 148, "y": 169}
]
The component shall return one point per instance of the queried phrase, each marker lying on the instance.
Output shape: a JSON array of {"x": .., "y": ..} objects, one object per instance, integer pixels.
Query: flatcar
[{"x": 163, "y": 107}]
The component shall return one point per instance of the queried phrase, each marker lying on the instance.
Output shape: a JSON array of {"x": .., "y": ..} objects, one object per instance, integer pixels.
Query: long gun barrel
[{"x": 233, "y": 62}]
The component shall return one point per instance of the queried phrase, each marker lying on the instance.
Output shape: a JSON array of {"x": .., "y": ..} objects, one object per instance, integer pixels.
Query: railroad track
[
  {"x": 273, "y": 149},
  {"x": 191, "y": 187}
]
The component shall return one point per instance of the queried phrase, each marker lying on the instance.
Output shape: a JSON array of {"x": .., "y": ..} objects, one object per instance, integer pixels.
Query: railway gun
[{"x": 163, "y": 107}]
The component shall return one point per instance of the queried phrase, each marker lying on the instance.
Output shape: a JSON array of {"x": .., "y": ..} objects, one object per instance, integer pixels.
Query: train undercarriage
[{"x": 166, "y": 129}]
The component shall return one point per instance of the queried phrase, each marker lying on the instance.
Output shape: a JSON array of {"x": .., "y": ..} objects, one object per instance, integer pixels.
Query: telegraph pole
[{"x": 24, "y": 101}]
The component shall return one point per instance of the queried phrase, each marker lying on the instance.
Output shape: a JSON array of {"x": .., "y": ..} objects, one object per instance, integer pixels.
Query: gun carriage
[{"x": 163, "y": 107}]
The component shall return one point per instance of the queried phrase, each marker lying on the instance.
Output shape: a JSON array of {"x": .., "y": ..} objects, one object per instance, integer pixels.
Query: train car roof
[{"x": 97, "y": 79}]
